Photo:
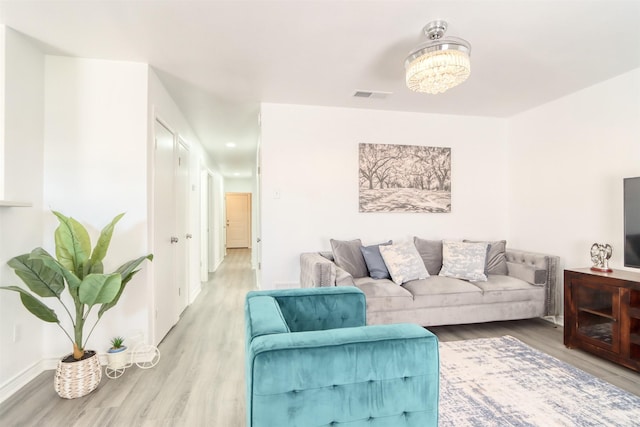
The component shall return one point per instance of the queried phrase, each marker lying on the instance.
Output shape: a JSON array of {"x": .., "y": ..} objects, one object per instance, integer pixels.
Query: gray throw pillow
[
  {"x": 375, "y": 263},
  {"x": 464, "y": 260},
  {"x": 431, "y": 253},
  {"x": 496, "y": 258},
  {"x": 347, "y": 255},
  {"x": 404, "y": 262}
]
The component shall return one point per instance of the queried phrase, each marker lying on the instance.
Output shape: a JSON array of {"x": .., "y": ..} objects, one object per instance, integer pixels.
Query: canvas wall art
[{"x": 404, "y": 178}]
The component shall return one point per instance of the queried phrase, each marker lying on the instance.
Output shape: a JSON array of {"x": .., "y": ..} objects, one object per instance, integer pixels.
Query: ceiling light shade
[{"x": 439, "y": 64}]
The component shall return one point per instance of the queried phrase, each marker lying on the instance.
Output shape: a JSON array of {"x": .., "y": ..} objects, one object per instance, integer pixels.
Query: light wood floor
[{"x": 200, "y": 378}]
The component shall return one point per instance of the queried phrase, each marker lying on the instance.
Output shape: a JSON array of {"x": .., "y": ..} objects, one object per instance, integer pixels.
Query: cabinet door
[{"x": 597, "y": 311}]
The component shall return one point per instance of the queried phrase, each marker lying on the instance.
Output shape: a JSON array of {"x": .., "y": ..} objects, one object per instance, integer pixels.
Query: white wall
[
  {"x": 217, "y": 235},
  {"x": 568, "y": 158},
  {"x": 238, "y": 185},
  {"x": 310, "y": 158},
  {"x": 95, "y": 166},
  {"x": 20, "y": 228}
]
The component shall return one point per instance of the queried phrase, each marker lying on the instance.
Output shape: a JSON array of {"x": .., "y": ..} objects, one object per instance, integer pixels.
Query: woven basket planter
[{"x": 78, "y": 378}]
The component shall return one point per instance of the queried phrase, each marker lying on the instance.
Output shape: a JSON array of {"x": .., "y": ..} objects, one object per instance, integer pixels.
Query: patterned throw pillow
[
  {"x": 375, "y": 263},
  {"x": 404, "y": 262},
  {"x": 464, "y": 260},
  {"x": 496, "y": 258}
]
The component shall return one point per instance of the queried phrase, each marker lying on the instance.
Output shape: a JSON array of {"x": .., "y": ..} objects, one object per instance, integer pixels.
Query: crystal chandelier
[{"x": 439, "y": 64}]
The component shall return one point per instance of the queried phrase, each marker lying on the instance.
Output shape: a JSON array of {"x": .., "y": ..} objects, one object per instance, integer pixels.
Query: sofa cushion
[
  {"x": 404, "y": 262},
  {"x": 464, "y": 260},
  {"x": 499, "y": 288},
  {"x": 431, "y": 253},
  {"x": 438, "y": 291},
  {"x": 383, "y": 294},
  {"x": 347, "y": 256},
  {"x": 496, "y": 258},
  {"x": 375, "y": 263}
]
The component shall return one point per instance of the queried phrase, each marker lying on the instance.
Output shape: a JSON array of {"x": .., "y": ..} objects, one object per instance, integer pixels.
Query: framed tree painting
[{"x": 404, "y": 178}]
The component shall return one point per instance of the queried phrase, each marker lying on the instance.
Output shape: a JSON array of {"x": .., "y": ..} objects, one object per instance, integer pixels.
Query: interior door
[
  {"x": 238, "y": 210},
  {"x": 165, "y": 289},
  {"x": 183, "y": 232}
]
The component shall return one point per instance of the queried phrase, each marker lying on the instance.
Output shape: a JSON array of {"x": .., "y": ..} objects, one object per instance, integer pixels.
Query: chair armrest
[
  {"x": 312, "y": 309},
  {"x": 349, "y": 374},
  {"x": 537, "y": 269},
  {"x": 316, "y": 271}
]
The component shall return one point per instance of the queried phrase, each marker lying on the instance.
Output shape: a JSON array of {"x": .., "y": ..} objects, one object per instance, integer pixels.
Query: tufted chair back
[{"x": 312, "y": 362}]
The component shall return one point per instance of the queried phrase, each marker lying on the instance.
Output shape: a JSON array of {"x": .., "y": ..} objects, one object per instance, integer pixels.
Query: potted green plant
[
  {"x": 79, "y": 269},
  {"x": 117, "y": 355}
]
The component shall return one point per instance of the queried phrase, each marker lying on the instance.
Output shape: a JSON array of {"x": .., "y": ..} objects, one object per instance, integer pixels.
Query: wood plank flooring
[{"x": 199, "y": 380}]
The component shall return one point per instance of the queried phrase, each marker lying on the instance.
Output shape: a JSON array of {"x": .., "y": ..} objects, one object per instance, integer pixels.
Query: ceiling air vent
[{"x": 370, "y": 94}]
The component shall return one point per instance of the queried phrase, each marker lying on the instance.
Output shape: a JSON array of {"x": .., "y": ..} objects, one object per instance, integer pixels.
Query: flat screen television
[{"x": 632, "y": 222}]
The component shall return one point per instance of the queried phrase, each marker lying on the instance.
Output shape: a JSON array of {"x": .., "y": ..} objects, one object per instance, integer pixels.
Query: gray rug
[{"x": 504, "y": 382}]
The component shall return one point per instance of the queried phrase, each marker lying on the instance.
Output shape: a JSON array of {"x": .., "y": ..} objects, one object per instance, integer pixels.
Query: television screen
[{"x": 632, "y": 222}]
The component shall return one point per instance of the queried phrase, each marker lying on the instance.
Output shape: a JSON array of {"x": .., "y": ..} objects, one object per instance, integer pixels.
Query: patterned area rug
[{"x": 503, "y": 382}]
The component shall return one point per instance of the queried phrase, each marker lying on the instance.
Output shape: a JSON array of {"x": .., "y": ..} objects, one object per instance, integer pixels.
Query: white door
[
  {"x": 238, "y": 210},
  {"x": 165, "y": 289},
  {"x": 182, "y": 191}
]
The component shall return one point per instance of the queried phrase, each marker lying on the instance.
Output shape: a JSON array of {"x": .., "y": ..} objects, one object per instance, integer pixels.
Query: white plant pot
[{"x": 118, "y": 359}]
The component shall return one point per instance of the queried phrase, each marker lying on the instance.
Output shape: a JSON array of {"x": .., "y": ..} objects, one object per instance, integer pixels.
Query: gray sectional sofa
[{"x": 524, "y": 287}]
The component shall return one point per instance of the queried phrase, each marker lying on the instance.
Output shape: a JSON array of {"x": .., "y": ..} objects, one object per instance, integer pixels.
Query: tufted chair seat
[{"x": 312, "y": 362}]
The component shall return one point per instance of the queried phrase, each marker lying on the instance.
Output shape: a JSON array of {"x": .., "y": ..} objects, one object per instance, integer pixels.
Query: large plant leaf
[
  {"x": 34, "y": 305},
  {"x": 127, "y": 270},
  {"x": 97, "y": 268},
  {"x": 73, "y": 244},
  {"x": 99, "y": 288},
  {"x": 39, "y": 277},
  {"x": 102, "y": 245},
  {"x": 55, "y": 265}
]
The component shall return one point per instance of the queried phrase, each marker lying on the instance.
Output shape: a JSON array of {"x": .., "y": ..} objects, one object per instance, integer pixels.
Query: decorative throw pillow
[
  {"x": 431, "y": 253},
  {"x": 375, "y": 263},
  {"x": 403, "y": 262},
  {"x": 347, "y": 255},
  {"x": 496, "y": 258},
  {"x": 464, "y": 260}
]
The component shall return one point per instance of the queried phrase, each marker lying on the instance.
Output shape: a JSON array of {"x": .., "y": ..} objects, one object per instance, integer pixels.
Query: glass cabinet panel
[{"x": 597, "y": 319}]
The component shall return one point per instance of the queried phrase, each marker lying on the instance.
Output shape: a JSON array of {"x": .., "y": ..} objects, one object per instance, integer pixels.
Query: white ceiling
[{"x": 221, "y": 59}]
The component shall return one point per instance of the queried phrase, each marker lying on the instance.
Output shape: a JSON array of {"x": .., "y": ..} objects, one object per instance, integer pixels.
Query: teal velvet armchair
[{"x": 311, "y": 362}]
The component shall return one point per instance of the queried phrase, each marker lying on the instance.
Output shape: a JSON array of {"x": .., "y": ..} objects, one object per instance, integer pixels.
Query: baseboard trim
[
  {"x": 556, "y": 320},
  {"x": 21, "y": 379},
  {"x": 13, "y": 385}
]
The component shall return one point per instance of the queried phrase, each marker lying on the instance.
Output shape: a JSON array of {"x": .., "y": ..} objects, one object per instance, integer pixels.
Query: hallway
[{"x": 199, "y": 380}]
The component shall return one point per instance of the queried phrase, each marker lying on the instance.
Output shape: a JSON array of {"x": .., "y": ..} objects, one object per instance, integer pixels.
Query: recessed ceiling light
[
  {"x": 231, "y": 145},
  {"x": 236, "y": 174}
]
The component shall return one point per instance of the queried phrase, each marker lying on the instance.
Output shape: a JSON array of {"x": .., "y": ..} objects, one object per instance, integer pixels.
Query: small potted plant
[{"x": 117, "y": 354}]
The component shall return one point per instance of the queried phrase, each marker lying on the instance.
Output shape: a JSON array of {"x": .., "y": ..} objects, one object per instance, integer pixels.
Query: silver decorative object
[{"x": 600, "y": 255}]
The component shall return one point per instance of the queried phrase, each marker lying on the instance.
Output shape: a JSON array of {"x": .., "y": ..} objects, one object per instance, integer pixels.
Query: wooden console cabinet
[{"x": 602, "y": 314}]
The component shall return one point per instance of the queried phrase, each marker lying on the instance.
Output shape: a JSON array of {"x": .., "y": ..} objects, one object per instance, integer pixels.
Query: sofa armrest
[
  {"x": 316, "y": 271},
  {"x": 313, "y": 309},
  {"x": 528, "y": 273},
  {"x": 343, "y": 278},
  {"x": 381, "y": 373},
  {"x": 537, "y": 269}
]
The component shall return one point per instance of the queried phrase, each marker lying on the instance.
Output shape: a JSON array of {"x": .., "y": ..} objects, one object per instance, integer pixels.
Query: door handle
[
  {"x": 259, "y": 240},
  {"x": 189, "y": 235},
  {"x": 174, "y": 239}
]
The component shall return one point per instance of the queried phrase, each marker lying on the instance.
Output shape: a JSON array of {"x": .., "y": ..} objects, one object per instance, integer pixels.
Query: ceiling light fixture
[
  {"x": 230, "y": 144},
  {"x": 439, "y": 64}
]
